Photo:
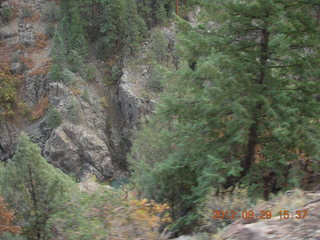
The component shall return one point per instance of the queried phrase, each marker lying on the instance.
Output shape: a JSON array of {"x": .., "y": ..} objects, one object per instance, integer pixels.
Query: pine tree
[
  {"x": 77, "y": 38},
  {"x": 135, "y": 25},
  {"x": 54, "y": 118},
  {"x": 33, "y": 188},
  {"x": 58, "y": 52},
  {"x": 242, "y": 107}
]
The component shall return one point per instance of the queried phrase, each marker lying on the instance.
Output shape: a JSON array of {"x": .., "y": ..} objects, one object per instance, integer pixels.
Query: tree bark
[{"x": 253, "y": 130}]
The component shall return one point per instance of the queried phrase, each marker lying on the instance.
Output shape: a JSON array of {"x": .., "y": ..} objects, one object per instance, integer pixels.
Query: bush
[
  {"x": 85, "y": 95},
  {"x": 73, "y": 111},
  {"x": 10, "y": 236},
  {"x": 50, "y": 30},
  {"x": 55, "y": 74},
  {"x": 116, "y": 73},
  {"x": 90, "y": 73},
  {"x": 155, "y": 80},
  {"x": 159, "y": 46},
  {"x": 27, "y": 12},
  {"x": 75, "y": 61},
  {"x": 54, "y": 118},
  {"x": 7, "y": 15},
  {"x": 68, "y": 77},
  {"x": 52, "y": 12}
]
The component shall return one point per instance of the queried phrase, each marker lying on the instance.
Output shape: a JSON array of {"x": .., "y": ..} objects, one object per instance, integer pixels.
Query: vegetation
[
  {"x": 36, "y": 189},
  {"x": 49, "y": 205},
  {"x": 241, "y": 108},
  {"x": 8, "y": 91},
  {"x": 54, "y": 118},
  {"x": 6, "y": 219},
  {"x": 73, "y": 111}
]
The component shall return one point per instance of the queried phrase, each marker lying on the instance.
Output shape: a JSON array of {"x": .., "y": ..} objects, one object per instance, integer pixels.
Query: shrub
[
  {"x": 68, "y": 77},
  {"x": 75, "y": 61},
  {"x": 85, "y": 95},
  {"x": 39, "y": 109},
  {"x": 115, "y": 73},
  {"x": 54, "y": 118},
  {"x": 55, "y": 74},
  {"x": 27, "y": 12},
  {"x": 50, "y": 30},
  {"x": 90, "y": 73},
  {"x": 73, "y": 111},
  {"x": 10, "y": 236},
  {"x": 8, "y": 91},
  {"x": 159, "y": 46},
  {"x": 155, "y": 79},
  {"x": 7, "y": 15},
  {"x": 104, "y": 102}
]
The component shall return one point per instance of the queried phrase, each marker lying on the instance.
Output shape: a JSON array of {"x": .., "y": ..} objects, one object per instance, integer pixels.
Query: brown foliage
[
  {"x": 6, "y": 219},
  {"x": 40, "y": 108},
  {"x": 41, "y": 40},
  {"x": 43, "y": 70},
  {"x": 27, "y": 62},
  {"x": 34, "y": 18}
]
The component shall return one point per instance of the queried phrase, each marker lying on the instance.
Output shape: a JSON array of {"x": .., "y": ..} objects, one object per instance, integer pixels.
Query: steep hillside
[{"x": 98, "y": 113}]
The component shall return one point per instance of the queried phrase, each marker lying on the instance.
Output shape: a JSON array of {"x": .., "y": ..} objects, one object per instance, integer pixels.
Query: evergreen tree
[
  {"x": 134, "y": 26},
  {"x": 58, "y": 52},
  {"x": 77, "y": 38},
  {"x": 54, "y": 118},
  {"x": 32, "y": 187},
  {"x": 241, "y": 108}
]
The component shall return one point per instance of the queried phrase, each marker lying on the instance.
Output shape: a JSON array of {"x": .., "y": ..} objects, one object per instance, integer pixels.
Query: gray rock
[
  {"x": 27, "y": 38},
  {"x": 5, "y": 4},
  {"x": 17, "y": 68},
  {"x": 78, "y": 150},
  {"x": 8, "y": 136},
  {"x": 35, "y": 88}
]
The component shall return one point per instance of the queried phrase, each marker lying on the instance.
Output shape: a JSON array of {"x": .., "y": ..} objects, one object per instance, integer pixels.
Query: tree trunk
[{"x": 253, "y": 130}]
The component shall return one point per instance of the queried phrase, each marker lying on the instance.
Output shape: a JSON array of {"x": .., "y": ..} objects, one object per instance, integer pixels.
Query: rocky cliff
[{"x": 98, "y": 141}]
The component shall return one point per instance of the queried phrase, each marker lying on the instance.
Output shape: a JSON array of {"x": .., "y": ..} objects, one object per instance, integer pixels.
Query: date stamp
[{"x": 265, "y": 214}]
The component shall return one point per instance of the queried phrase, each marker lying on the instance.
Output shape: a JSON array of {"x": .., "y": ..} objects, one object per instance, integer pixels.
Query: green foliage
[
  {"x": 58, "y": 52},
  {"x": 75, "y": 61},
  {"x": 8, "y": 91},
  {"x": 7, "y": 15},
  {"x": 54, "y": 118},
  {"x": 27, "y": 12},
  {"x": 91, "y": 74},
  {"x": 55, "y": 74},
  {"x": 50, "y": 29},
  {"x": 155, "y": 79},
  {"x": 159, "y": 46},
  {"x": 68, "y": 77},
  {"x": 73, "y": 111},
  {"x": 10, "y": 236},
  {"x": 85, "y": 95},
  {"x": 32, "y": 187},
  {"x": 241, "y": 108},
  {"x": 116, "y": 73}
]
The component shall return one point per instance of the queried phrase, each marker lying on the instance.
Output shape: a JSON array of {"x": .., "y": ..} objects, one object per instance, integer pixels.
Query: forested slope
[{"x": 121, "y": 120}]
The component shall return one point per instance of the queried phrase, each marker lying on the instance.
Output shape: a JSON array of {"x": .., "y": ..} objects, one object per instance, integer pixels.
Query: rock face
[
  {"x": 98, "y": 143},
  {"x": 8, "y": 137},
  {"x": 132, "y": 106},
  {"x": 78, "y": 150},
  {"x": 136, "y": 99}
]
